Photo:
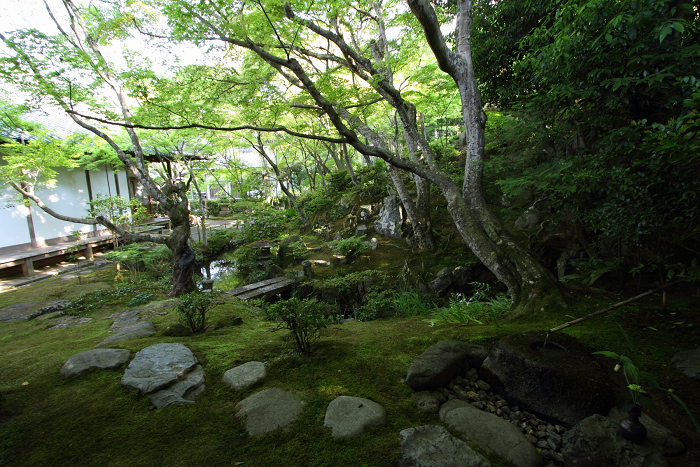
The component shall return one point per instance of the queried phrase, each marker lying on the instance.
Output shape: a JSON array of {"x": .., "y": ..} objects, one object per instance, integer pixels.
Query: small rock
[
  {"x": 483, "y": 385},
  {"x": 244, "y": 376},
  {"x": 348, "y": 416},
  {"x": 177, "y": 330}
]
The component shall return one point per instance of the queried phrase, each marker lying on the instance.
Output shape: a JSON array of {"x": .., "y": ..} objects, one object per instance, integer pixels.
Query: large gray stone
[
  {"x": 348, "y": 416},
  {"x": 434, "y": 446},
  {"x": 562, "y": 390},
  {"x": 493, "y": 433},
  {"x": 436, "y": 367},
  {"x": 244, "y": 376},
  {"x": 596, "y": 441},
  {"x": 389, "y": 222},
  {"x": 442, "y": 281},
  {"x": 182, "y": 392},
  {"x": 104, "y": 359},
  {"x": 139, "y": 329},
  {"x": 158, "y": 367},
  {"x": 269, "y": 410},
  {"x": 688, "y": 362}
]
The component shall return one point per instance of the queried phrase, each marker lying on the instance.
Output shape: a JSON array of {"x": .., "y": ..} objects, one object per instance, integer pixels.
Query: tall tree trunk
[
  {"x": 348, "y": 164},
  {"x": 527, "y": 280}
]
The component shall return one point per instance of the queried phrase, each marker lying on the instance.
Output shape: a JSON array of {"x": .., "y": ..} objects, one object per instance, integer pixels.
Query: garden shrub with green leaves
[
  {"x": 151, "y": 258},
  {"x": 374, "y": 180},
  {"x": 314, "y": 202},
  {"x": 263, "y": 224},
  {"x": 193, "y": 308},
  {"x": 349, "y": 247},
  {"x": 303, "y": 318}
]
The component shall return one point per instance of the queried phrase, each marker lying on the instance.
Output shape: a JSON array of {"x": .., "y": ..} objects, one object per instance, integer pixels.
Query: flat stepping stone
[
  {"x": 124, "y": 318},
  {"x": 490, "y": 432},
  {"x": 64, "y": 322},
  {"x": 434, "y": 446},
  {"x": 104, "y": 359},
  {"x": 269, "y": 410},
  {"x": 21, "y": 311},
  {"x": 348, "y": 416},
  {"x": 140, "y": 329},
  {"x": 158, "y": 367},
  {"x": 244, "y": 376},
  {"x": 182, "y": 392},
  {"x": 688, "y": 362}
]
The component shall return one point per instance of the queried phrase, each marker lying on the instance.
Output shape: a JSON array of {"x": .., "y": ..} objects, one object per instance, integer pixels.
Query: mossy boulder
[{"x": 563, "y": 385}]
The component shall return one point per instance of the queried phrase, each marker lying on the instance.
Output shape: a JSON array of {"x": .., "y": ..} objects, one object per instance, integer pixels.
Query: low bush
[
  {"x": 193, "y": 308},
  {"x": 303, "y": 318},
  {"x": 349, "y": 247}
]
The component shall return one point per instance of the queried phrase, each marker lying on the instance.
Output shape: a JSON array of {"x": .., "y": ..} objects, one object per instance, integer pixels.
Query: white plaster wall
[
  {"x": 70, "y": 198},
  {"x": 13, "y": 221}
]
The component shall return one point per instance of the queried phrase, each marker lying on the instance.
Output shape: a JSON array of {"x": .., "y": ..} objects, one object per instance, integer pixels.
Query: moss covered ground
[{"x": 92, "y": 420}]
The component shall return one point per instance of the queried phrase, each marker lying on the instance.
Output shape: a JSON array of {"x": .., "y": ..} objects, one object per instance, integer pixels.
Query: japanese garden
[{"x": 351, "y": 233}]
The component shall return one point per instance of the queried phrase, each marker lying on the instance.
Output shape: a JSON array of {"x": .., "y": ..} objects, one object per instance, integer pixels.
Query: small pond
[{"x": 224, "y": 272}]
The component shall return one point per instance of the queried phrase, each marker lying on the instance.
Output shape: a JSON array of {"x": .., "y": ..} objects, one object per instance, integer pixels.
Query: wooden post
[
  {"x": 28, "y": 267},
  {"x": 88, "y": 252}
]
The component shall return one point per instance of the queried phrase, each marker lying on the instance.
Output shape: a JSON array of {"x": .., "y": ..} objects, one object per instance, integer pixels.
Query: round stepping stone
[
  {"x": 269, "y": 410},
  {"x": 434, "y": 446},
  {"x": 105, "y": 359},
  {"x": 158, "y": 367},
  {"x": 348, "y": 416},
  {"x": 244, "y": 376}
]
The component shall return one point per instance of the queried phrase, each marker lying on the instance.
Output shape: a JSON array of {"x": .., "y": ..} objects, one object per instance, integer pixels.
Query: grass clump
[{"x": 475, "y": 309}]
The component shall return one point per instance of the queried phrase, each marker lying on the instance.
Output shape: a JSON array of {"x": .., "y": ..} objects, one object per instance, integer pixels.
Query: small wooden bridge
[{"x": 263, "y": 289}]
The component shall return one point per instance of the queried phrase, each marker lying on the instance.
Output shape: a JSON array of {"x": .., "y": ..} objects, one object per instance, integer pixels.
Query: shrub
[
  {"x": 349, "y": 247},
  {"x": 314, "y": 202},
  {"x": 151, "y": 258},
  {"x": 193, "y": 308},
  {"x": 339, "y": 181},
  {"x": 303, "y": 318},
  {"x": 377, "y": 304},
  {"x": 374, "y": 181},
  {"x": 140, "y": 299},
  {"x": 213, "y": 207}
]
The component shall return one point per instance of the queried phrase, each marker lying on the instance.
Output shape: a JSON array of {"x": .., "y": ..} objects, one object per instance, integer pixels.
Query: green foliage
[
  {"x": 593, "y": 269},
  {"x": 193, "y": 308},
  {"x": 140, "y": 299},
  {"x": 220, "y": 240},
  {"x": 602, "y": 126},
  {"x": 152, "y": 258},
  {"x": 303, "y": 318},
  {"x": 121, "y": 212},
  {"x": 263, "y": 224},
  {"x": 339, "y": 181},
  {"x": 347, "y": 290},
  {"x": 635, "y": 377},
  {"x": 313, "y": 202},
  {"x": 409, "y": 303},
  {"x": 213, "y": 207},
  {"x": 376, "y": 304},
  {"x": 476, "y": 309},
  {"x": 349, "y": 247},
  {"x": 374, "y": 180},
  {"x": 88, "y": 303}
]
